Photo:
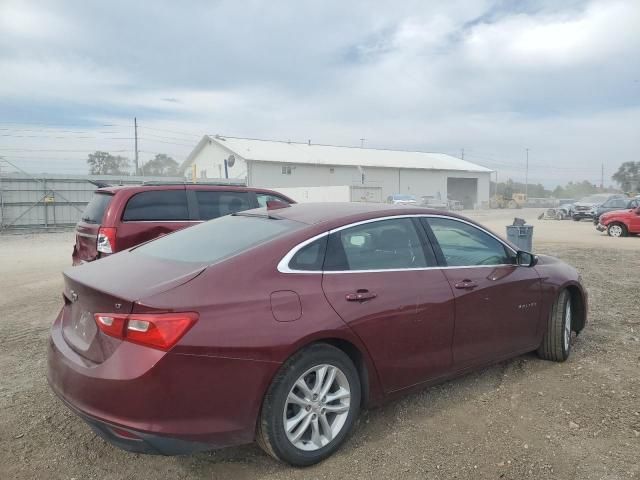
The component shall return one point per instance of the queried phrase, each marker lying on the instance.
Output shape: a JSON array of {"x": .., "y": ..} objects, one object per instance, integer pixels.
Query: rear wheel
[
  {"x": 310, "y": 407},
  {"x": 556, "y": 343},
  {"x": 617, "y": 230}
]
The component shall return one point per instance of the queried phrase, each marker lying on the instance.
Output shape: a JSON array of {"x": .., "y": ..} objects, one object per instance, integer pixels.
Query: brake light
[
  {"x": 106, "y": 240},
  {"x": 157, "y": 330}
]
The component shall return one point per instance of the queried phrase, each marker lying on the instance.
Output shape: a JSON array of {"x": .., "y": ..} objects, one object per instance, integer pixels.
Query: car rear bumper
[{"x": 149, "y": 401}]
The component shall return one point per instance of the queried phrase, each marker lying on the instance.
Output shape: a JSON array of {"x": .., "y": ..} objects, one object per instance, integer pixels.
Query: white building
[{"x": 275, "y": 164}]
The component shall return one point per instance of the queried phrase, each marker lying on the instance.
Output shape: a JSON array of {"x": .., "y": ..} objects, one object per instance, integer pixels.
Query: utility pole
[
  {"x": 135, "y": 131},
  {"x": 362, "y": 140},
  {"x": 462, "y": 154},
  {"x": 602, "y": 177},
  {"x": 526, "y": 178}
]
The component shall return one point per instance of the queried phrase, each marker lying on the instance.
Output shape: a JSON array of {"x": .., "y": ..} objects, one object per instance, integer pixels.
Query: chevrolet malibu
[{"x": 278, "y": 325}]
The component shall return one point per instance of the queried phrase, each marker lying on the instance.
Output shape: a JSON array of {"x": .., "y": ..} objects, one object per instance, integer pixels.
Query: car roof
[
  {"x": 178, "y": 186},
  {"x": 345, "y": 212}
]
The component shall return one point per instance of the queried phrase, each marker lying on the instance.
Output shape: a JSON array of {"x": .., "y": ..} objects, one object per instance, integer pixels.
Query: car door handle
[
  {"x": 360, "y": 296},
  {"x": 465, "y": 284}
]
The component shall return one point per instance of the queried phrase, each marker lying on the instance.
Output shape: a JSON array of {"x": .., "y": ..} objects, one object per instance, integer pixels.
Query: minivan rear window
[
  {"x": 94, "y": 211},
  {"x": 217, "y": 239}
]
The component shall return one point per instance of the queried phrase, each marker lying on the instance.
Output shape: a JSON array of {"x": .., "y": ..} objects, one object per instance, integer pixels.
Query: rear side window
[
  {"x": 214, "y": 241},
  {"x": 310, "y": 257},
  {"x": 94, "y": 211},
  {"x": 383, "y": 245},
  {"x": 214, "y": 204},
  {"x": 157, "y": 205}
]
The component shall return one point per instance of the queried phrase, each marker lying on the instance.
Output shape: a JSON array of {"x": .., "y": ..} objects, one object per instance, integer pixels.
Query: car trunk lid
[{"x": 113, "y": 285}]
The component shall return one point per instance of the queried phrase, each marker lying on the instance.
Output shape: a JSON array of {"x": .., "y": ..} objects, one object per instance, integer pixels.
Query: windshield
[
  {"x": 94, "y": 210},
  {"x": 217, "y": 239}
]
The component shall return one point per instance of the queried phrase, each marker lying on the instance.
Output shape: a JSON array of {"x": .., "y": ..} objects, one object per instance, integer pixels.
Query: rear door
[
  {"x": 87, "y": 228},
  {"x": 151, "y": 214},
  {"x": 497, "y": 303},
  {"x": 379, "y": 277}
]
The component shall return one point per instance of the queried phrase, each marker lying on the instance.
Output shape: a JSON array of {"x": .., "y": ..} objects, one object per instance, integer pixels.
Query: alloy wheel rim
[
  {"x": 567, "y": 326},
  {"x": 317, "y": 407},
  {"x": 615, "y": 230}
]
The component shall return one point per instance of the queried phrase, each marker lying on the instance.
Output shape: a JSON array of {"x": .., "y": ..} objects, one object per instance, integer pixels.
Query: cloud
[{"x": 492, "y": 77}]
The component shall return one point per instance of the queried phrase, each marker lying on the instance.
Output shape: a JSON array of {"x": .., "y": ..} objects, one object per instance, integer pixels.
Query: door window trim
[{"x": 283, "y": 264}]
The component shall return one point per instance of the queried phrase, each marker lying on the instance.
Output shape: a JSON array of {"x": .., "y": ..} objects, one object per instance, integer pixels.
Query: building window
[
  {"x": 286, "y": 170},
  {"x": 203, "y": 174},
  {"x": 332, "y": 170}
]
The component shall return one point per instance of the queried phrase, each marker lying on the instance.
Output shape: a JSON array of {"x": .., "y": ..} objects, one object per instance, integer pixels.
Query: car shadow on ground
[{"x": 380, "y": 425}]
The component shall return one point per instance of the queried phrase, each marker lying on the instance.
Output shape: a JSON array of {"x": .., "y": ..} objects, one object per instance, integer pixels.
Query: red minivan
[{"x": 118, "y": 218}]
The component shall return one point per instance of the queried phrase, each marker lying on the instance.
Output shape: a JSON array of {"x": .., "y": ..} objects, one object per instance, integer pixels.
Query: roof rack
[{"x": 232, "y": 183}]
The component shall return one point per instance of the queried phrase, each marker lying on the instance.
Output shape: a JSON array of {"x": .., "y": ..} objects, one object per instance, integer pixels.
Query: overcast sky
[{"x": 492, "y": 77}]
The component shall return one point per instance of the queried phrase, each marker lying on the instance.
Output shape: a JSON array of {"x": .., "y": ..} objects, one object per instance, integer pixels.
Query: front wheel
[
  {"x": 556, "y": 343},
  {"x": 310, "y": 406},
  {"x": 617, "y": 230}
]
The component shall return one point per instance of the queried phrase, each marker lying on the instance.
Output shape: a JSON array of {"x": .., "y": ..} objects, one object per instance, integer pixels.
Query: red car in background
[
  {"x": 620, "y": 223},
  {"x": 278, "y": 325},
  {"x": 118, "y": 218}
]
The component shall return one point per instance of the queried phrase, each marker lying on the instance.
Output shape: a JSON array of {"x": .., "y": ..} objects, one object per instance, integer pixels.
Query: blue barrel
[{"x": 521, "y": 236}]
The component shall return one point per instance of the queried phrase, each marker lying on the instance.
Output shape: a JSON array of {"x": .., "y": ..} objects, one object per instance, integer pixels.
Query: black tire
[
  {"x": 271, "y": 435},
  {"x": 553, "y": 346},
  {"x": 576, "y": 219},
  {"x": 623, "y": 229}
]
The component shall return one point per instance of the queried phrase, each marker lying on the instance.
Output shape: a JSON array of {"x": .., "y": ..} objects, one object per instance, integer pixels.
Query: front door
[
  {"x": 376, "y": 278},
  {"x": 497, "y": 302}
]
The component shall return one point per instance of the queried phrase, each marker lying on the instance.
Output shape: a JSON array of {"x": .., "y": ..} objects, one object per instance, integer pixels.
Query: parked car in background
[
  {"x": 586, "y": 206},
  {"x": 455, "y": 205},
  {"x": 429, "y": 201},
  {"x": 402, "y": 199},
  {"x": 118, "y": 218},
  {"x": 620, "y": 223},
  {"x": 621, "y": 202},
  {"x": 280, "y": 325}
]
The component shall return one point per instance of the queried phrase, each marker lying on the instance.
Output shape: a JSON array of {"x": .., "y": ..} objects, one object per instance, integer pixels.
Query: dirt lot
[{"x": 524, "y": 418}]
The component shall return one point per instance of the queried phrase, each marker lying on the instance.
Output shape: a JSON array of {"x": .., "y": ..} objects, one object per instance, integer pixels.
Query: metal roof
[{"x": 303, "y": 153}]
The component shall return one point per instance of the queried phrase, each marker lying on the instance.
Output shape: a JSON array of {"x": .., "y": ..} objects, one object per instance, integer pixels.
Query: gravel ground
[{"x": 525, "y": 418}]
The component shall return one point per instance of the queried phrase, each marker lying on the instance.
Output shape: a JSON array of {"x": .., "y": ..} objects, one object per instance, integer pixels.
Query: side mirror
[{"x": 526, "y": 259}]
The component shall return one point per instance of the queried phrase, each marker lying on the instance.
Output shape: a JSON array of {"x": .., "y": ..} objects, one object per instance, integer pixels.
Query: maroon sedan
[{"x": 278, "y": 325}]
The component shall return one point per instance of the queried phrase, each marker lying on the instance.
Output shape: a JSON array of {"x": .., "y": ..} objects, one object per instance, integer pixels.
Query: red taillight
[
  {"x": 106, "y": 240},
  {"x": 161, "y": 330},
  {"x": 111, "y": 323}
]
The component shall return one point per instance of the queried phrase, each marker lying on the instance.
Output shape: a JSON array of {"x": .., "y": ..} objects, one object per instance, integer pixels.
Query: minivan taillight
[
  {"x": 157, "y": 330},
  {"x": 106, "y": 240}
]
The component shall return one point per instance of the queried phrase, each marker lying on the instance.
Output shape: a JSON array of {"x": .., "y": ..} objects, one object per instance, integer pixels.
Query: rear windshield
[
  {"x": 94, "y": 211},
  {"x": 217, "y": 239}
]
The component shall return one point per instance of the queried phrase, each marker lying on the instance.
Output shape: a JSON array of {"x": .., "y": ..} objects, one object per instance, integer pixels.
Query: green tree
[
  {"x": 162, "y": 164},
  {"x": 103, "y": 163},
  {"x": 628, "y": 176}
]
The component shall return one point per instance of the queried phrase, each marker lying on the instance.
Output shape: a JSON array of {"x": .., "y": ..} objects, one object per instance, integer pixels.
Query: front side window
[
  {"x": 214, "y": 204},
  {"x": 616, "y": 203},
  {"x": 392, "y": 244},
  {"x": 157, "y": 205},
  {"x": 263, "y": 198},
  {"x": 464, "y": 245}
]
